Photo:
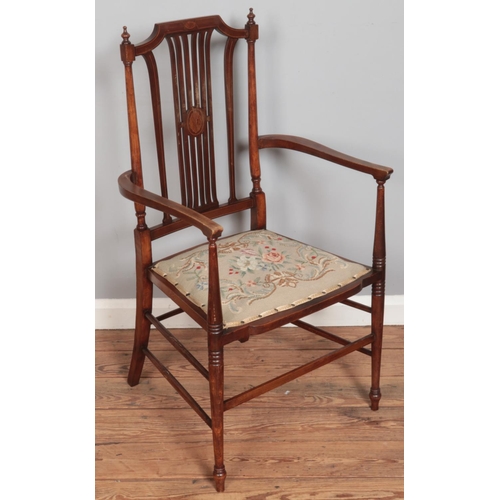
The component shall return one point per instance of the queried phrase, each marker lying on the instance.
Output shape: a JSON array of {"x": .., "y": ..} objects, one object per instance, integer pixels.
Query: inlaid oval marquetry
[{"x": 195, "y": 121}]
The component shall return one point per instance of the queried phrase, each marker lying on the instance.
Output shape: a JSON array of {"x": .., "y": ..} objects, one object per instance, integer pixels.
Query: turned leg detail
[
  {"x": 216, "y": 378},
  {"x": 377, "y": 330}
]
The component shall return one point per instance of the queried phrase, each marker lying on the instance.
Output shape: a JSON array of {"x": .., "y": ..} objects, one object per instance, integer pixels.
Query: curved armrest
[
  {"x": 379, "y": 172},
  {"x": 139, "y": 195}
]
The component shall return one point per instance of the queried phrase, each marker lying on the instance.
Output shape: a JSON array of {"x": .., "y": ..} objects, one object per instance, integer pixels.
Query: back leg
[
  {"x": 144, "y": 304},
  {"x": 141, "y": 339}
]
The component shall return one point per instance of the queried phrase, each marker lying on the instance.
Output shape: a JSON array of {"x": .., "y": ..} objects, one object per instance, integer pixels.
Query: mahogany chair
[{"x": 245, "y": 284}]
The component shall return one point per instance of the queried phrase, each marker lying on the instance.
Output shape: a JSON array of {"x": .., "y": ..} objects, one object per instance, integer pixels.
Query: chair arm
[
  {"x": 139, "y": 195},
  {"x": 379, "y": 172}
]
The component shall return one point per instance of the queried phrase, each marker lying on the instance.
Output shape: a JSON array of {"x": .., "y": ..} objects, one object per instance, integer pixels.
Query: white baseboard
[{"x": 115, "y": 314}]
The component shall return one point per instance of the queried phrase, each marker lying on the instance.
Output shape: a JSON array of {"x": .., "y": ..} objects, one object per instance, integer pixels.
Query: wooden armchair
[{"x": 245, "y": 284}]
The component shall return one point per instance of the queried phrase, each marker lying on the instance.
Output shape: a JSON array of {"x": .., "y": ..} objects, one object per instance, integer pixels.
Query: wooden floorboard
[
  {"x": 278, "y": 488},
  {"x": 314, "y": 437}
]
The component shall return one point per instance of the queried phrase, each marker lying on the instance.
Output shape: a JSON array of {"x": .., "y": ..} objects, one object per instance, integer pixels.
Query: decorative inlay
[
  {"x": 195, "y": 121},
  {"x": 190, "y": 25}
]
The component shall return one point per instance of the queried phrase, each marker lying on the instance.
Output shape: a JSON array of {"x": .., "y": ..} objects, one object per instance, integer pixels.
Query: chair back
[{"x": 190, "y": 47}]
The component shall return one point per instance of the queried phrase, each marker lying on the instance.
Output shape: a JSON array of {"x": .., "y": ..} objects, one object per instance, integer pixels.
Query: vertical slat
[
  {"x": 204, "y": 100},
  {"x": 229, "y": 85},
  {"x": 201, "y": 140},
  {"x": 191, "y": 171},
  {"x": 158, "y": 123},
  {"x": 213, "y": 189},
  {"x": 183, "y": 106},
  {"x": 187, "y": 71},
  {"x": 195, "y": 143},
  {"x": 173, "y": 47},
  {"x": 194, "y": 59}
]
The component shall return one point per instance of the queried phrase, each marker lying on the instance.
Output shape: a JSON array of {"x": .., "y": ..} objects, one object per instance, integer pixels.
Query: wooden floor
[{"x": 315, "y": 437}]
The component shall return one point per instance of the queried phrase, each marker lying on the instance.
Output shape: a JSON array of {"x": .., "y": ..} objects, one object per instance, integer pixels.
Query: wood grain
[
  {"x": 280, "y": 488},
  {"x": 270, "y": 364},
  {"x": 314, "y": 437},
  {"x": 154, "y": 393},
  {"x": 295, "y": 459},
  {"x": 196, "y": 338}
]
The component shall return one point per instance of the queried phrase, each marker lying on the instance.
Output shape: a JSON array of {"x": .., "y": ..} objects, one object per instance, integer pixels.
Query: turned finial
[
  {"x": 125, "y": 35},
  {"x": 251, "y": 16}
]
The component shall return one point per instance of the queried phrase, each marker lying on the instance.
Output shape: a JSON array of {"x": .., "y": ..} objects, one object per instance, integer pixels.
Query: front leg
[
  {"x": 216, "y": 380},
  {"x": 377, "y": 330},
  {"x": 216, "y": 364},
  {"x": 378, "y": 296}
]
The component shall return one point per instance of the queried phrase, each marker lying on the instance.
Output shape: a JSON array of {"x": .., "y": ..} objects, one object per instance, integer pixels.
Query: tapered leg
[
  {"x": 216, "y": 378},
  {"x": 377, "y": 330},
  {"x": 144, "y": 303}
]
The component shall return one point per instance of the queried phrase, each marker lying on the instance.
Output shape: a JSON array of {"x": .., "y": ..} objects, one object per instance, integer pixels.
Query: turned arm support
[
  {"x": 379, "y": 172},
  {"x": 131, "y": 191}
]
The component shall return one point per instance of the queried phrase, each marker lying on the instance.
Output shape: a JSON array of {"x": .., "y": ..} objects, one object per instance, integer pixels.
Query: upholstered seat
[{"x": 258, "y": 265}]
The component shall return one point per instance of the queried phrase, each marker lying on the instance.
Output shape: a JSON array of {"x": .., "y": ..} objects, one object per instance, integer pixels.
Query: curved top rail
[{"x": 161, "y": 30}]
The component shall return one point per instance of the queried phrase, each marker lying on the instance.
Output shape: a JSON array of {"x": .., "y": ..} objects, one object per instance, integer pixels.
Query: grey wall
[{"x": 329, "y": 70}]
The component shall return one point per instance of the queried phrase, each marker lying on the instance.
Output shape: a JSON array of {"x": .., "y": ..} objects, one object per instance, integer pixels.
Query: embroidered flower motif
[
  {"x": 246, "y": 263},
  {"x": 274, "y": 257}
]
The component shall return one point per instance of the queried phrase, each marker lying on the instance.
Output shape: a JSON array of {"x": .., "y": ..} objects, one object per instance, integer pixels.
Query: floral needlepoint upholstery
[{"x": 261, "y": 273}]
